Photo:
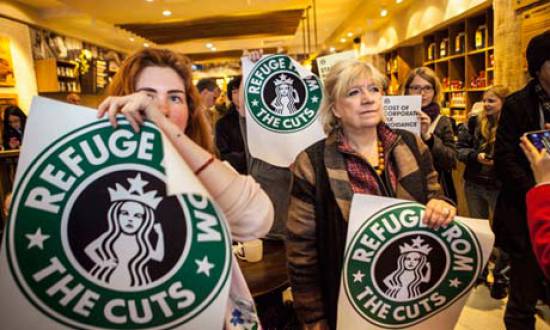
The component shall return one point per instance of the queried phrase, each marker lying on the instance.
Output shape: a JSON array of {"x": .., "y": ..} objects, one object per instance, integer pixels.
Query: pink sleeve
[{"x": 247, "y": 208}]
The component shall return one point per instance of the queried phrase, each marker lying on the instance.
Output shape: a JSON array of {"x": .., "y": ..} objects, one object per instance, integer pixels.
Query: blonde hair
[
  {"x": 125, "y": 80},
  {"x": 340, "y": 78},
  {"x": 487, "y": 126},
  {"x": 428, "y": 75}
]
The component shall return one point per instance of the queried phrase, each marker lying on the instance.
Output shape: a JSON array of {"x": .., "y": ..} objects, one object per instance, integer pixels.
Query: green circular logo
[
  {"x": 279, "y": 99},
  {"x": 397, "y": 272},
  {"x": 98, "y": 244}
]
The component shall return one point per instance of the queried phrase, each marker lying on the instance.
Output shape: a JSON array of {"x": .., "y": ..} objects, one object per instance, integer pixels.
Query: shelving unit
[
  {"x": 462, "y": 56},
  {"x": 398, "y": 64},
  {"x": 53, "y": 76}
]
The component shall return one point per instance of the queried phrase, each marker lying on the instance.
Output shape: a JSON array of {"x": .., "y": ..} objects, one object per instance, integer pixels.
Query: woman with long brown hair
[
  {"x": 436, "y": 129},
  {"x": 156, "y": 84}
]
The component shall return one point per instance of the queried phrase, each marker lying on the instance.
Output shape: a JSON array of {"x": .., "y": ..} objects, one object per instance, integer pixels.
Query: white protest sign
[
  {"x": 401, "y": 112},
  {"x": 282, "y": 102},
  {"x": 398, "y": 273},
  {"x": 93, "y": 239},
  {"x": 324, "y": 63}
]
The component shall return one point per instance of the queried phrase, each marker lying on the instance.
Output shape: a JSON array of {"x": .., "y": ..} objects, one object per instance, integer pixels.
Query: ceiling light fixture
[
  {"x": 213, "y": 49},
  {"x": 398, "y": 1},
  {"x": 209, "y": 45},
  {"x": 350, "y": 34},
  {"x": 149, "y": 0},
  {"x": 343, "y": 40},
  {"x": 167, "y": 13},
  {"x": 332, "y": 49},
  {"x": 132, "y": 39},
  {"x": 384, "y": 12},
  {"x": 146, "y": 45}
]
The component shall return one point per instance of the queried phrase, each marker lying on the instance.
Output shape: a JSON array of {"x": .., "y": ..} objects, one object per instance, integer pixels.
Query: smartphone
[{"x": 540, "y": 139}]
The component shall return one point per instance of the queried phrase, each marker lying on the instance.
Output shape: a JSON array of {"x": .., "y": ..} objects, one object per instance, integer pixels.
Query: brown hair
[
  {"x": 428, "y": 75},
  {"x": 487, "y": 127},
  {"x": 124, "y": 83}
]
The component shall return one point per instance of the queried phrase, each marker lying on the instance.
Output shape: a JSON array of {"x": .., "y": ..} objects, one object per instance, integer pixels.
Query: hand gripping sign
[
  {"x": 93, "y": 239},
  {"x": 400, "y": 274}
]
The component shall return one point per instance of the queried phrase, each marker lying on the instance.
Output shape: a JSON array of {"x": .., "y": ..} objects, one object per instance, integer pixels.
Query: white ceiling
[{"x": 84, "y": 18}]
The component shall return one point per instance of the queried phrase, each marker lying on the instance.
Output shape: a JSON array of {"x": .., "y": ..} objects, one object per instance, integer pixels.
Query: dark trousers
[{"x": 526, "y": 286}]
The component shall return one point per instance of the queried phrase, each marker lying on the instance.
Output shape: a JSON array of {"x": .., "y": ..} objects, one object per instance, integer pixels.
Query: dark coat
[
  {"x": 319, "y": 211},
  {"x": 469, "y": 145},
  {"x": 229, "y": 140},
  {"x": 520, "y": 113},
  {"x": 443, "y": 148}
]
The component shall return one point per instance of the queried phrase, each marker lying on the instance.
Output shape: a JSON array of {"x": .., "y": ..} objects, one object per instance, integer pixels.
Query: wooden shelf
[
  {"x": 465, "y": 63},
  {"x": 480, "y": 89}
]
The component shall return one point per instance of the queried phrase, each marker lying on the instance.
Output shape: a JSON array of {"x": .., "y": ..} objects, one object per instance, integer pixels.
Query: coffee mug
[{"x": 251, "y": 251}]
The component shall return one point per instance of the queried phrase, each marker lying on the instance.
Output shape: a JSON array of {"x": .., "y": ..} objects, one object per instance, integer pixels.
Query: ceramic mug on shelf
[{"x": 251, "y": 251}]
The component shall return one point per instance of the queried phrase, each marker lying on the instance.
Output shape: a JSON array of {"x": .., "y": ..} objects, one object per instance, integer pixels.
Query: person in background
[
  {"x": 73, "y": 98},
  {"x": 436, "y": 129},
  {"x": 475, "y": 147},
  {"x": 525, "y": 110},
  {"x": 360, "y": 155},
  {"x": 538, "y": 204},
  {"x": 209, "y": 92},
  {"x": 156, "y": 84},
  {"x": 229, "y": 140},
  {"x": 5, "y": 212},
  {"x": 14, "y": 127},
  {"x": 275, "y": 180}
]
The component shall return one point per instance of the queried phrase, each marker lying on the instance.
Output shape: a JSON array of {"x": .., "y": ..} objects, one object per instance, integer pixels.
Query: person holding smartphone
[
  {"x": 475, "y": 148},
  {"x": 525, "y": 110},
  {"x": 538, "y": 203}
]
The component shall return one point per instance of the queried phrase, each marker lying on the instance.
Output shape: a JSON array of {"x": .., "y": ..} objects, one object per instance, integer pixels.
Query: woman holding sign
[
  {"x": 436, "y": 129},
  {"x": 360, "y": 155},
  {"x": 156, "y": 85}
]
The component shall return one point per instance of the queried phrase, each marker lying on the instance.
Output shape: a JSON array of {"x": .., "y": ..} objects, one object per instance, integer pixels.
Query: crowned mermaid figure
[
  {"x": 412, "y": 269},
  {"x": 286, "y": 96},
  {"x": 122, "y": 253}
]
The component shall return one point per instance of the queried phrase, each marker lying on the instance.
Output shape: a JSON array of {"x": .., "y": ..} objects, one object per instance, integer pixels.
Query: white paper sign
[
  {"x": 282, "y": 102},
  {"x": 324, "y": 63},
  {"x": 93, "y": 239},
  {"x": 397, "y": 273},
  {"x": 401, "y": 112}
]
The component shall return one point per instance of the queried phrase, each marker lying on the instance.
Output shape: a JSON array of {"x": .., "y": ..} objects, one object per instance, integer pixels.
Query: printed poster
[
  {"x": 282, "y": 102},
  {"x": 401, "y": 112},
  {"x": 324, "y": 63},
  {"x": 95, "y": 242},
  {"x": 399, "y": 274}
]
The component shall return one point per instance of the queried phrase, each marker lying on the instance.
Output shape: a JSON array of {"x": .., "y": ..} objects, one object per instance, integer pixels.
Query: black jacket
[
  {"x": 520, "y": 113},
  {"x": 443, "y": 149},
  {"x": 229, "y": 140},
  {"x": 468, "y": 147}
]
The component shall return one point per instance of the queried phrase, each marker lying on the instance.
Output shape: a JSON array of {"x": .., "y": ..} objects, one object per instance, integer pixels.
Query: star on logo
[
  {"x": 315, "y": 99},
  {"x": 455, "y": 283},
  {"x": 358, "y": 276},
  {"x": 204, "y": 266},
  {"x": 255, "y": 103},
  {"x": 37, "y": 239},
  {"x": 136, "y": 184}
]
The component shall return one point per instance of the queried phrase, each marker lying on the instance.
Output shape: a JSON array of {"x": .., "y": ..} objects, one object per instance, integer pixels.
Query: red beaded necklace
[{"x": 380, "y": 168}]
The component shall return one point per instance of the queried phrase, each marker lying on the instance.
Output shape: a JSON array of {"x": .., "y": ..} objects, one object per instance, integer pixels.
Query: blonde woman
[
  {"x": 436, "y": 129},
  {"x": 476, "y": 143},
  {"x": 360, "y": 155}
]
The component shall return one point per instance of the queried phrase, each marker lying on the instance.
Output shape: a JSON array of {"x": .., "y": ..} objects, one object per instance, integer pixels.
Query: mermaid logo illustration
[
  {"x": 413, "y": 269},
  {"x": 286, "y": 97},
  {"x": 122, "y": 253}
]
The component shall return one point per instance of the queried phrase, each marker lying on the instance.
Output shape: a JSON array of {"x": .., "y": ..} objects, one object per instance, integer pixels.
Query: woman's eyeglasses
[{"x": 418, "y": 89}]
